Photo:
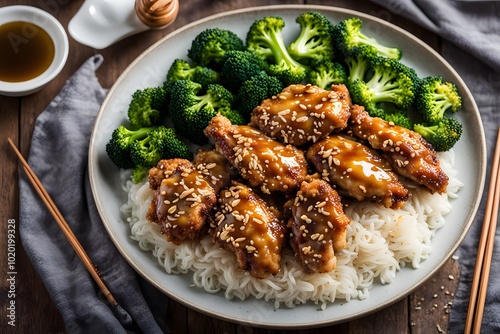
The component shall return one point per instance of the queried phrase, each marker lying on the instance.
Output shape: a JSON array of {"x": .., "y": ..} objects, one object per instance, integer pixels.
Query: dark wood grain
[{"x": 35, "y": 311}]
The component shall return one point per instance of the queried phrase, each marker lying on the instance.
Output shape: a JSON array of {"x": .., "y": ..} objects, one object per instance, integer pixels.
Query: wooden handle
[{"x": 156, "y": 13}]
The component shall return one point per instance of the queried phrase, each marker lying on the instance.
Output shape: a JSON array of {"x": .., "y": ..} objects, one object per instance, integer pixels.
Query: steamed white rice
[{"x": 379, "y": 242}]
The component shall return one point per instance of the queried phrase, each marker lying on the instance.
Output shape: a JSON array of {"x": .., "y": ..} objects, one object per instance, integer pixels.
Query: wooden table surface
[{"x": 426, "y": 310}]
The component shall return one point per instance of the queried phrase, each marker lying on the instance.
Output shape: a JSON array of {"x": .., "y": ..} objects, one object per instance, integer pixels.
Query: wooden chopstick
[
  {"x": 40, "y": 189},
  {"x": 485, "y": 249}
]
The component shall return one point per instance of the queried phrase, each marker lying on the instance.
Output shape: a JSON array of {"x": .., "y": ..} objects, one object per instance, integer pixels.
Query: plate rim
[{"x": 465, "y": 228}]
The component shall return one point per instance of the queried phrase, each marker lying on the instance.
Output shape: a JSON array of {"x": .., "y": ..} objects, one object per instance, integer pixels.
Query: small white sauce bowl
[{"x": 56, "y": 32}]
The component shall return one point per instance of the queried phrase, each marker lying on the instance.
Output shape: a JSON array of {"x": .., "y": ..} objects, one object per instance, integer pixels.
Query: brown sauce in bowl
[{"x": 26, "y": 51}]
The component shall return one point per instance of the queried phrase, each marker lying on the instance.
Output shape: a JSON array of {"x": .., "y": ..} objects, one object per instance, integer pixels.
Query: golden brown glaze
[
  {"x": 303, "y": 114},
  {"x": 358, "y": 170},
  {"x": 181, "y": 202},
  {"x": 163, "y": 169},
  {"x": 264, "y": 162},
  {"x": 244, "y": 224},
  {"x": 407, "y": 152},
  {"x": 318, "y": 226},
  {"x": 216, "y": 169}
]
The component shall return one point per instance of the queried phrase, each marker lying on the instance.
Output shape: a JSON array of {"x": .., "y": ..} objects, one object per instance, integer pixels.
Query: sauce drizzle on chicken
[
  {"x": 357, "y": 170},
  {"x": 246, "y": 225},
  {"x": 262, "y": 161},
  {"x": 302, "y": 114}
]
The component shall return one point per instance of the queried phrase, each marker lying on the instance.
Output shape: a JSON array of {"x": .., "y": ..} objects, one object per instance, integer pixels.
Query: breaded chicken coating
[
  {"x": 407, "y": 152},
  {"x": 302, "y": 114},
  {"x": 216, "y": 169},
  {"x": 357, "y": 170},
  {"x": 244, "y": 224},
  {"x": 262, "y": 161},
  {"x": 318, "y": 226},
  {"x": 182, "y": 200}
]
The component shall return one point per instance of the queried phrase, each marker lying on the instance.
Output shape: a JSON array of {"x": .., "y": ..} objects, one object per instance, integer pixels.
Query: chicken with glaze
[
  {"x": 318, "y": 226},
  {"x": 182, "y": 199},
  {"x": 407, "y": 152},
  {"x": 262, "y": 161},
  {"x": 216, "y": 169},
  {"x": 302, "y": 114},
  {"x": 244, "y": 224},
  {"x": 357, "y": 170}
]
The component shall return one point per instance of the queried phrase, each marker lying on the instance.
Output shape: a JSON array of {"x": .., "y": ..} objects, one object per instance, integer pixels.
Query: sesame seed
[
  {"x": 250, "y": 248},
  {"x": 186, "y": 193},
  {"x": 258, "y": 221}
]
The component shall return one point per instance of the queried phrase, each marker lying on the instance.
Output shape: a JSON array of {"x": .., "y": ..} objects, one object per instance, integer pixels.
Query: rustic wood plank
[{"x": 430, "y": 305}]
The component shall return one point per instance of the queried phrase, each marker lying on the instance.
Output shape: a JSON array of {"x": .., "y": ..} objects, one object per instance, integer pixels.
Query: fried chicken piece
[
  {"x": 408, "y": 153},
  {"x": 163, "y": 169},
  {"x": 303, "y": 114},
  {"x": 182, "y": 200},
  {"x": 358, "y": 170},
  {"x": 244, "y": 224},
  {"x": 262, "y": 161},
  {"x": 318, "y": 226},
  {"x": 216, "y": 169}
]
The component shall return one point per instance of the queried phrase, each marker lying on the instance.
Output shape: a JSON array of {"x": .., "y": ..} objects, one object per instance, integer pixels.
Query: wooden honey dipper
[{"x": 156, "y": 14}]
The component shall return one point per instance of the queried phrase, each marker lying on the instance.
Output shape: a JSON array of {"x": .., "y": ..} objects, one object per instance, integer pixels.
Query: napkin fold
[
  {"x": 59, "y": 157},
  {"x": 471, "y": 44}
]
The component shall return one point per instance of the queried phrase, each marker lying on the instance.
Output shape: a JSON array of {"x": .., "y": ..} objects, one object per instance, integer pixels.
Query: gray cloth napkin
[
  {"x": 471, "y": 33},
  {"x": 59, "y": 153}
]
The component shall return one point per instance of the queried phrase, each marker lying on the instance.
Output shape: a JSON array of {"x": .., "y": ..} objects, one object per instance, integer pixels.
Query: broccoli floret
[
  {"x": 146, "y": 107},
  {"x": 234, "y": 116},
  {"x": 139, "y": 173},
  {"x": 118, "y": 147},
  {"x": 400, "y": 118},
  {"x": 210, "y": 45},
  {"x": 254, "y": 91},
  {"x": 347, "y": 35},
  {"x": 392, "y": 82},
  {"x": 358, "y": 63},
  {"x": 193, "y": 108},
  {"x": 315, "y": 40},
  {"x": 442, "y": 135},
  {"x": 182, "y": 70},
  {"x": 161, "y": 143},
  {"x": 324, "y": 73},
  {"x": 238, "y": 67},
  {"x": 391, "y": 113},
  {"x": 435, "y": 97},
  {"x": 265, "y": 38}
]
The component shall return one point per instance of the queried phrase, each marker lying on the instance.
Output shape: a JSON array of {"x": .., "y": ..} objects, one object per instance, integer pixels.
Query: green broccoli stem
[
  {"x": 138, "y": 134},
  {"x": 203, "y": 100},
  {"x": 216, "y": 51},
  {"x": 441, "y": 101},
  {"x": 278, "y": 48},
  {"x": 381, "y": 49},
  {"x": 426, "y": 131},
  {"x": 384, "y": 88},
  {"x": 305, "y": 37},
  {"x": 357, "y": 69}
]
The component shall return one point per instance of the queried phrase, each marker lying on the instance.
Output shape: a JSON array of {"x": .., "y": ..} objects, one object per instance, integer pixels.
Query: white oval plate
[{"x": 149, "y": 69}]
